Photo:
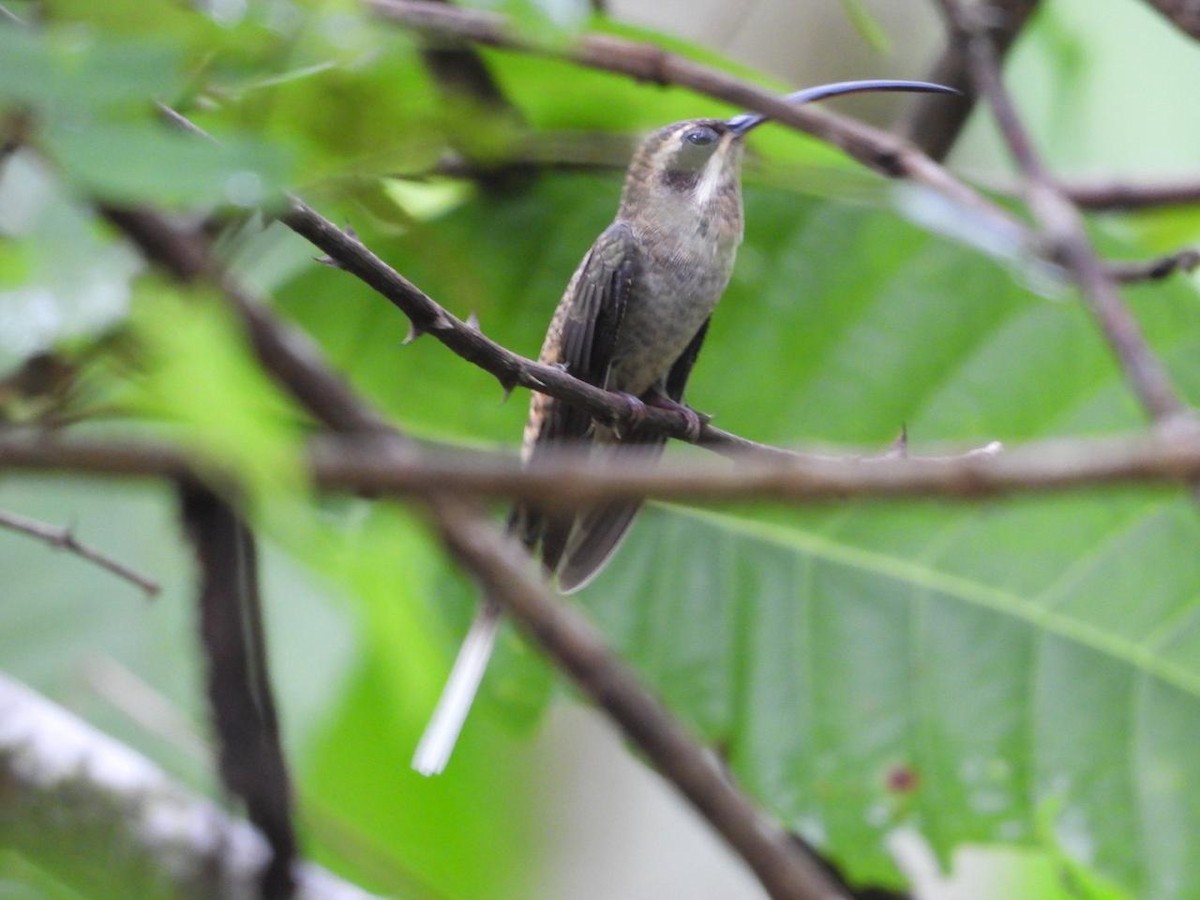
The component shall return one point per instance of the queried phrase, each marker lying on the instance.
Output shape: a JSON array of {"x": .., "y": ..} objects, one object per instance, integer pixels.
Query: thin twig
[
  {"x": 785, "y": 870},
  {"x": 388, "y": 467},
  {"x": 64, "y": 539},
  {"x": 1117, "y": 194},
  {"x": 1185, "y": 260},
  {"x": 144, "y": 706},
  {"x": 1063, "y": 230},
  {"x": 1113, "y": 195},
  {"x": 934, "y": 121}
]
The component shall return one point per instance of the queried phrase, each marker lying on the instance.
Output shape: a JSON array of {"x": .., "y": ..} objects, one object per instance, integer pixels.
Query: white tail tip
[{"x": 441, "y": 734}]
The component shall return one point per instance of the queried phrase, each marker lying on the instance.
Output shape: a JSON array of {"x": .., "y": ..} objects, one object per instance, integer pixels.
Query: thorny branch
[
  {"x": 466, "y": 340},
  {"x": 389, "y": 467},
  {"x": 64, "y": 539},
  {"x": 290, "y": 355}
]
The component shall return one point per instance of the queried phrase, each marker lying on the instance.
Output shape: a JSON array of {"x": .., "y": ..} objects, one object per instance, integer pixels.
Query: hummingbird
[{"x": 632, "y": 320}]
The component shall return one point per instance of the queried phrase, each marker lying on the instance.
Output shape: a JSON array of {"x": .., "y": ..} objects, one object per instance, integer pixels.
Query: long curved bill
[{"x": 744, "y": 122}]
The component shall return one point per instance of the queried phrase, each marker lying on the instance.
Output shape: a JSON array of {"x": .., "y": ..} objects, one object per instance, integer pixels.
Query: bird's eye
[{"x": 701, "y": 136}]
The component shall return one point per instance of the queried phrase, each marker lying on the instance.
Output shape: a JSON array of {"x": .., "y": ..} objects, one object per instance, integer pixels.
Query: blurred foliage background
[{"x": 1021, "y": 676}]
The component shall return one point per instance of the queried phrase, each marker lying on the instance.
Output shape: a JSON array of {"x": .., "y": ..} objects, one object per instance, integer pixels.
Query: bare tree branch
[
  {"x": 64, "y": 539},
  {"x": 241, "y": 701},
  {"x": 1113, "y": 195},
  {"x": 68, "y": 787},
  {"x": 933, "y": 121},
  {"x": 785, "y": 870},
  {"x": 399, "y": 468},
  {"x": 1063, "y": 231},
  {"x": 1116, "y": 194}
]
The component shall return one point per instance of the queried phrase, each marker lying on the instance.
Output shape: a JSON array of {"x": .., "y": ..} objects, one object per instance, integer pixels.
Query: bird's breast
[{"x": 678, "y": 284}]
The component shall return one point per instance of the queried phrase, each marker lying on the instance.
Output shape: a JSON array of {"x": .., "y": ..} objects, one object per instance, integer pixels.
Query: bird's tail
[{"x": 437, "y": 743}]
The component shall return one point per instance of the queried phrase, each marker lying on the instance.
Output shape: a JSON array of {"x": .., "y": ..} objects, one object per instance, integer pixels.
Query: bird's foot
[
  {"x": 635, "y": 414},
  {"x": 694, "y": 421}
]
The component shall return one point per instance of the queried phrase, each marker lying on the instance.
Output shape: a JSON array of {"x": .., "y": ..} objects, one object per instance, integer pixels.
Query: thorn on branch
[
  {"x": 332, "y": 261},
  {"x": 899, "y": 447},
  {"x": 509, "y": 382},
  {"x": 992, "y": 448},
  {"x": 413, "y": 333}
]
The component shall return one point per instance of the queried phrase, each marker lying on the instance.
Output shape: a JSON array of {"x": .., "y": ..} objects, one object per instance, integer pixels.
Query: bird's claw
[
  {"x": 693, "y": 421},
  {"x": 635, "y": 414}
]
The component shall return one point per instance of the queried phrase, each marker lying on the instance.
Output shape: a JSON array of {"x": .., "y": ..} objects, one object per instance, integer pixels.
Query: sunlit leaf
[{"x": 199, "y": 375}]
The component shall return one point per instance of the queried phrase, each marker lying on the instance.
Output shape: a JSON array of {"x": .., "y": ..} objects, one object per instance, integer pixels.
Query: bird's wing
[
  {"x": 587, "y": 320},
  {"x": 593, "y": 312},
  {"x": 598, "y": 534},
  {"x": 678, "y": 376}
]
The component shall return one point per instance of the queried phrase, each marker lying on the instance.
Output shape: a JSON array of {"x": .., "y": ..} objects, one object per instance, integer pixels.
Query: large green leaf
[
  {"x": 1019, "y": 672},
  {"x": 971, "y": 671}
]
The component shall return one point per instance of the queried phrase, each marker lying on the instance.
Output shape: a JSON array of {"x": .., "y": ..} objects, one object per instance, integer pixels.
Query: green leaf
[
  {"x": 867, "y": 667},
  {"x": 404, "y": 835},
  {"x": 60, "y": 280},
  {"x": 200, "y": 377},
  {"x": 128, "y": 163},
  {"x": 70, "y": 71}
]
